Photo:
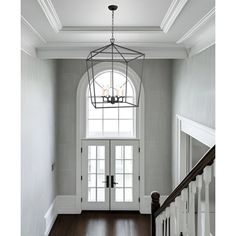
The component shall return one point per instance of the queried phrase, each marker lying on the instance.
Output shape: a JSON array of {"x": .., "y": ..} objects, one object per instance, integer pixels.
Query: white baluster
[
  {"x": 178, "y": 214},
  {"x": 172, "y": 219},
  {"x": 207, "y": 179},
  {"x": 192, "y": 192},
  {"x": 158, "y": 226},
  {"x": 164, "y": 223},
  {"x": 184, "y": 198},
  {"x": 199, "y": 202},
  {"x": 214, "y": 169},
  {"x": 167, "y": 221}
]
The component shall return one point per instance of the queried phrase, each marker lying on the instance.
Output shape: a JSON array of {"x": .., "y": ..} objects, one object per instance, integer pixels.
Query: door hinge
[
  {"x": 81, "y": 199},
  {"x": 139, "y": 149},
  {"x": 81, "y": 150},
  {"x": 139, "y": 199},
  {"x": 139, "y": 177},
  {"x": 81, "y": 177}
]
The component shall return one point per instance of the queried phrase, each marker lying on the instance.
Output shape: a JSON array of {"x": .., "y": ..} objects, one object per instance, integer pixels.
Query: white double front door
[{"x": 110, "y": 175}]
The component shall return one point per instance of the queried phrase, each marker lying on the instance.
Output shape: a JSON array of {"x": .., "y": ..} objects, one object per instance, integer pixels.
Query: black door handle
[
  {"x": 107, "y": 181},
  {"x": 112, "y": 181}
]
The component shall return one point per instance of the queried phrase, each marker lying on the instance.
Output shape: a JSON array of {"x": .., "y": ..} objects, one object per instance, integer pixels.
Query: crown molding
[
  {"x": 81, "y": 50},
  {"x": 202, "y": 45},
  {"x": 108, "y": 29},
  {"x": 209, "y": 16},
  {"x": 172, "y": 13},
  {"x": 26, "y": 23},
  {"x": 28, "y": 48},
  {"x": 51, "y": 14},
  {"x": 30, "y": 38}
]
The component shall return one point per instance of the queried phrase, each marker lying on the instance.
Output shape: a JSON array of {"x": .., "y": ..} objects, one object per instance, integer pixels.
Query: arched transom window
[{"x": 111, "y": 122}]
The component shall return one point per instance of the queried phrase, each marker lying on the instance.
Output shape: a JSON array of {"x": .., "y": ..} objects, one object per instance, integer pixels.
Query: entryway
[{"x": 110, "y": 174}]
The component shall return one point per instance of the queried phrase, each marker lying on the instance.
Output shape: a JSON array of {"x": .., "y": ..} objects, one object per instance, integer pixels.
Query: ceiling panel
[
  {"x": 75, "y": 25},
  {"x": 95, "y": 13}
]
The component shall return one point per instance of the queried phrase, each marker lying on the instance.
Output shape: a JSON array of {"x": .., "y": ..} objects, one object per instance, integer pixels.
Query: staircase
[{"x": 178, "y": 215}]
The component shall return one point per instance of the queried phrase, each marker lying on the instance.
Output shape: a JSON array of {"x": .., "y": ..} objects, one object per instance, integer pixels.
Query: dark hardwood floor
[{"x": 102, "y": 224}]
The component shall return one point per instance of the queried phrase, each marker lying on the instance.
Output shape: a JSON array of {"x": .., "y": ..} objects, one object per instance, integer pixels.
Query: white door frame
[
  {"x": 186, "y": 128},
  {"x": 81, "y": 131}
]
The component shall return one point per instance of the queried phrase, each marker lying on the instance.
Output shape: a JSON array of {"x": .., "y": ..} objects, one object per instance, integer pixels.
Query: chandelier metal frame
[{"x": 114, "y": 53}]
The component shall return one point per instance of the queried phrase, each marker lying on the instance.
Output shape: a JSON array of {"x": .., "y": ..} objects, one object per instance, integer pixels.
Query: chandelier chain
[{"x": 112, "y": 28}]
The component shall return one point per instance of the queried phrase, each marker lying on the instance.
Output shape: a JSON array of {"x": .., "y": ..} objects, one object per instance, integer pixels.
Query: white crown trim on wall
[
  {"x": 51, "y": 14},
  {"x": 33, "y": 30},
  {"x": 210, "y": 15},
  {"x": 172, "y": 13}
]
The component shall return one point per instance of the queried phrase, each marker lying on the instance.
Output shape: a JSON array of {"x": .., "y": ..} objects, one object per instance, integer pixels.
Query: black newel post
[{"x": 155, "y": 205}]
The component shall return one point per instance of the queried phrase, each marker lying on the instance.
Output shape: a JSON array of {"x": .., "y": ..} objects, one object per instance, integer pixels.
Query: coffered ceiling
[{"x": 159, "y": 28}]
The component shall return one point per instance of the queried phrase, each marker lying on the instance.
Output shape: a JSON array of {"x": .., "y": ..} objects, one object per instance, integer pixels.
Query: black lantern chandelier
[{"x": 121, "y": 62}]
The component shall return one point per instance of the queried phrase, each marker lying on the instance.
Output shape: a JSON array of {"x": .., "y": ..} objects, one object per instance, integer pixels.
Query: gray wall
[
  {"x": 193, "y": 92},
  {"x": 157, "y": 87},
  {"x": 38, "y": 89}
]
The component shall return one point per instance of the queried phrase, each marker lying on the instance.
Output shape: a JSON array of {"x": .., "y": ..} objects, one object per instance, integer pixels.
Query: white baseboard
[
  {"x": 50, "y": 217},
  {"x": 145, "y": 203},
  {"x": 62, "y": 204}
]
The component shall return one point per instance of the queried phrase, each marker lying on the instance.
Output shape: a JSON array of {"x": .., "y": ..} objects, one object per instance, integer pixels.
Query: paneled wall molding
[
  {"x": 209, "y": 16},
  {"x": 51, "y": 14},
  {"x": 171, "y": 15}
]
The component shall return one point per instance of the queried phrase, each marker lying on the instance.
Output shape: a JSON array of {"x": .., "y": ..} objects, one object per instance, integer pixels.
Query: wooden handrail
[{"x": 206, "y": 160}]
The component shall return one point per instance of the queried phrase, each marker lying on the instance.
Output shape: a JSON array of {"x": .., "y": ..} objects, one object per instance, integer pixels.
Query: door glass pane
[
  {"x": 101, "y": 180},
  {"x": 128, "y": 152},
  {"x": 119, "y": 180},
  {"x": 100, "y": 166},
  {"x": 92, "y": 166},
  {"x": 119, "y": 166},
  {"x": 92, "y": 180},
  {"x": 119, "y": 152},
  {"x": 91, "y": 152},
  {"x": 101, "y": 195},
  {"x": 91, "y": 194},
  {"x": 96, "y": 173},
  {"x": 128, "y": 180},
  {"x": 119, "y": 195},
  {"x": 128, "y": 166},
  {"x": 100, "y": 152},
  {"x": 128, "y": 195}
]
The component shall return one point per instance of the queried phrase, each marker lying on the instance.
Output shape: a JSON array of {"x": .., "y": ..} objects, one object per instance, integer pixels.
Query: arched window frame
[{"x": 134, "y": 115}]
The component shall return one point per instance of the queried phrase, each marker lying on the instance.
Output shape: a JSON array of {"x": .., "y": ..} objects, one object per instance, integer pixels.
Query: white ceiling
[{"x": 159, "y": 28}]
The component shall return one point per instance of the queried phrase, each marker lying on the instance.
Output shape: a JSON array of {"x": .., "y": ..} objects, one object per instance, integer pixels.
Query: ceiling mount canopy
[{"x": 114, "y": 91}]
